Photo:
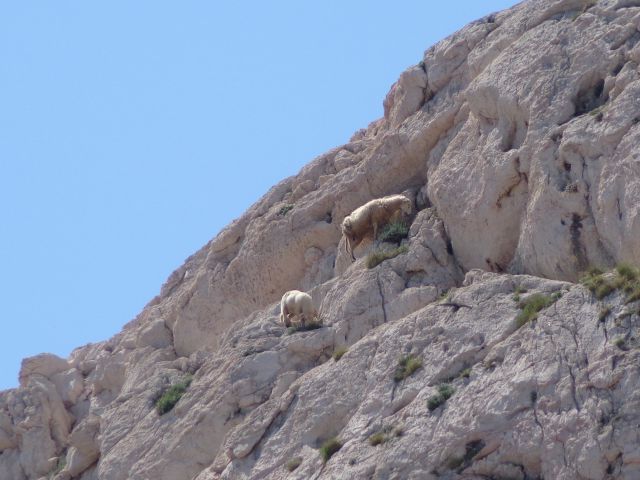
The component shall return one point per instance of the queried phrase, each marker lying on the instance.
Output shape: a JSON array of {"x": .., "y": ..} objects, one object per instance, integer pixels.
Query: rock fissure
[{"x": 382, "y": 299}]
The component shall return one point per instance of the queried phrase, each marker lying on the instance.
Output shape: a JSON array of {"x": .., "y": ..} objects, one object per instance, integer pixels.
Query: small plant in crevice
[
  {"x": 597, "y": 111},
  {"x": 378, "y": 439},
  {"x": 60, "y": 464},
  {"x": 445, "y": 392},
  {"x": 446, "y": 295},
  {"x": 339, "y": 352},
  {"x": 406, "y": 367},
  {"x": 517, "y": 293},
  {"x": 285, "y": 209},
  {"x": 384, "y": 435},
  {"x": 377, "y": 257},
  {"x": 620, "y": 342},
  {"x": 534, "y": 304},
  {"x": 394, "y": 232},
  {"x": 329, "y": 448},
  {"x": 519, "y": 290},
  {"x": 464, "y": 372},
  {"x": 294, "y": 463},
  {"x": 170, "y": 397},
  {"x": 594, "y": 280}
]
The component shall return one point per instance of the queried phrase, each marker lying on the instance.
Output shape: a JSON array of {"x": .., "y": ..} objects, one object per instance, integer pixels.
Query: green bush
[
  {"x": 627, "y": 271},
  {"x": 376, "y": 258},
  {"x": 406, "y": 367},
  {"x": 604, "y": 290},
  {"x": 633, "y": 295},
  {"x": 519, "y": 289},
  {"x": 293, "y": 463},
  {"x": 378, "y": 439},
  {"x": 592, "y": 279},
  {"x": 384, "y": 435},
  {"x": 170, "y": 397},
  {"x": 445, "y": 392},
  {"x": 285, "y": 209},
  {"x": 532, "y": 305},
  {"x": 339, "y": 352},
  {"x": 394, "y": 232},
  {"x": 619, "y": 342},
  {"x": 60, "y": 464},
  {"x": 625, "y": 277},
  {"x": 594, "y": 271},
  {"x": 434, "y": 402},
  {"x": 329, "y": 448}
]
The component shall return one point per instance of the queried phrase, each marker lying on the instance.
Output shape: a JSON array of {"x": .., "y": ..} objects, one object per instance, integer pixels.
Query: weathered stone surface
[
  {"x": 44, "y": 364},
  {"x": 155, "y": 335},
  {"x": 516, "y": 140},
  {"x": 85, "y": 448}
]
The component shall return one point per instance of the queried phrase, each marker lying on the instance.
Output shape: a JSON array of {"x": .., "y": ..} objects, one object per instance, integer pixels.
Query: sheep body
[
  {"x": 370, "y": 216},
  {"x": 298, "y": 304}
]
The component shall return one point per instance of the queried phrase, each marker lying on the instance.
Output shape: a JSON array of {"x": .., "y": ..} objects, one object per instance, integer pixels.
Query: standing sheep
[
  {"x": 297, "y": 304},
  {"x": 373, "y": 214}
]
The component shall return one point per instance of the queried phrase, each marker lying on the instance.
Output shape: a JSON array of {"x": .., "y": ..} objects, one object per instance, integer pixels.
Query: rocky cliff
[{"x": 472, "y": 353}]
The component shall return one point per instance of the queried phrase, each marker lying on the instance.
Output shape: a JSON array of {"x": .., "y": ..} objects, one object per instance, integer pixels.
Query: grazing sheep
[
  {"x": 297, "y": 304},
  {"x": 370, "y": 216}
]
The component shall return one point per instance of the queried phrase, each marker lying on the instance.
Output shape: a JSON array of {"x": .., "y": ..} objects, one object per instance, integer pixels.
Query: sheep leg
[
  {"x": 375, "y": 233},
  {"x": 349, "y": 242}
]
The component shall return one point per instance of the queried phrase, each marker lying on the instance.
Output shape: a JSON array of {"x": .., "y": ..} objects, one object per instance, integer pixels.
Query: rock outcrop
[{"x": 516, "y": 139}]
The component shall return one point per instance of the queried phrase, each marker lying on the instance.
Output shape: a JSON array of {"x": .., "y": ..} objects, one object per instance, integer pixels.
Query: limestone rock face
[
  {"x": 516, "y": 140},
  {"x": 45, "y": 365}
]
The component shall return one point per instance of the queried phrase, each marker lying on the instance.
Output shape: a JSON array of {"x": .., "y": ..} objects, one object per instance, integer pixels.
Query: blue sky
[{"x": 132, "y": 132}]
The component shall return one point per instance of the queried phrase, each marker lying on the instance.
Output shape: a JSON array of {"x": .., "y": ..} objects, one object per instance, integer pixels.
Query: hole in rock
[{"x": 590, "y": 98}]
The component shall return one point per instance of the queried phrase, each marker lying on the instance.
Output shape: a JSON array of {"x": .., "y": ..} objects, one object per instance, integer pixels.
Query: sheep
[
  {"x": 299, "y": 304},
  {"x": 370, "y": 216}
]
